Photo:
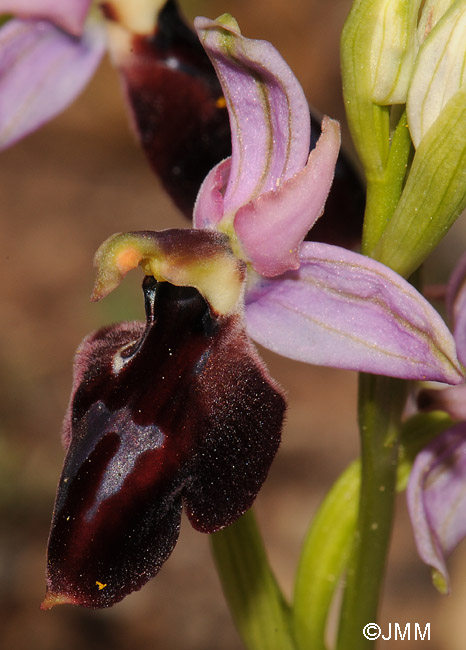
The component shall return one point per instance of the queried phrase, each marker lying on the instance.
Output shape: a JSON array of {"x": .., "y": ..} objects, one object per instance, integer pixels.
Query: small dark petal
[
  {"x": 181, "y": 409},
  {"x": 178, "y": 107}
]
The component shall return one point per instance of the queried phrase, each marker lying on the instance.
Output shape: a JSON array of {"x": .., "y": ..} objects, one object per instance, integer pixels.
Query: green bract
[
  {"x": 434, "y": 194},
  {"x": 397, "y": 51}
]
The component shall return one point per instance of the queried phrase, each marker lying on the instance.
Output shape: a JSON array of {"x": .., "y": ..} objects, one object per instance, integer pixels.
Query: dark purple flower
[{"x": 179, "y": 411}]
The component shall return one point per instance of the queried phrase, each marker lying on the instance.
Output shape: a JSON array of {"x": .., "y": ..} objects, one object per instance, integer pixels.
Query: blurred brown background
[{"x": 62, "y": 192}]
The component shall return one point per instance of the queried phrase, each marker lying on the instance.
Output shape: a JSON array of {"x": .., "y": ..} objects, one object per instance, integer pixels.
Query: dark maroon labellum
[
  {"x": 180, "y": 411},
  {"x": 178, "y": 106}
]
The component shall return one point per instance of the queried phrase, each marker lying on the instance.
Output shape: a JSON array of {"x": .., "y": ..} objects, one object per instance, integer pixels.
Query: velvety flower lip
[
  {"x": 176, "y": 104},
  {"x": 180, "y": 411}
]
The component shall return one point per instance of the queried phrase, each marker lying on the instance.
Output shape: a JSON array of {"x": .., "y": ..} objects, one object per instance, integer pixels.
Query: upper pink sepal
[
  {"x": 272, "y": 228},
  {"x": 269, "y": 115},
  {"x": 69, "y": 15}
]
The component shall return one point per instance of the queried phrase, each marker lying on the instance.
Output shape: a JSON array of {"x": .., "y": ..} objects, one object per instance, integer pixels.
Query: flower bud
[
  {"x": 393, "y": 50},
  {"x": 440, "y": 72}
]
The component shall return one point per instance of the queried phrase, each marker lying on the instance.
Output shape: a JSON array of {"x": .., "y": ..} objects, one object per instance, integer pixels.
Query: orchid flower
[
  {"x": 181, "y": 409},
  {"x": 437, "y": 483}
]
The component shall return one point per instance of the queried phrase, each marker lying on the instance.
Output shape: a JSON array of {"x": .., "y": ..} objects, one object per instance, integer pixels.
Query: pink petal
[
  {"x": 208, "y": 209},
  {"x": 456, "y": 305},
  {"x": 269, "y": 115},
  {"x": 345, "y": 310},
  {"x": 42, "y": 70},
  {"x": 69, "y": 14},
  {"x": 437, "y": 497},
  {"x": 272, "y": 227}
]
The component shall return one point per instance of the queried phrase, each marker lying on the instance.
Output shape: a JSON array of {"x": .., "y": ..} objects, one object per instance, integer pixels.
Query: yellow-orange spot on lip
[
  {"x": 52, "y": 599},
  {"x": 101, "y": 585},
  {"x": 128, "y": 259},
  {"x": 221, "y": 102}
]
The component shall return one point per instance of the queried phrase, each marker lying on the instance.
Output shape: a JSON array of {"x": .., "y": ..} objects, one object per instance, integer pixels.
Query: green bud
[
  {"x": 368, "y": 122},
  {"x": 440, "y": 70},
  {"x": 394, "y": 49},
  {"x": 432, "y": 11}
]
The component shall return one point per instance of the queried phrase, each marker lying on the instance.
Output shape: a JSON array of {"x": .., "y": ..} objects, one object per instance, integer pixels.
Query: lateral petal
[
  {"x": 42, "y": 70},
  {"x": 272, "y": 228},
  {"x": 345, "y": 310}
]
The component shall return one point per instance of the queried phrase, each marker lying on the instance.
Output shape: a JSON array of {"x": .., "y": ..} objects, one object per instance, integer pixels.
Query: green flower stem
[
  {"x": 328, "y": 543},
  {"x": 257, "y": 605},
  {"x": 381, "y": 401},
  {"x": 323, "y": 559}
]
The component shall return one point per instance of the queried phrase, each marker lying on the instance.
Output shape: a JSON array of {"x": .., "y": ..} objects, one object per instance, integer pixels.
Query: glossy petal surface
[
  {"x": 69, "y": 14},
  {"x": 345, "y": 310},
  {"x": 437, "y": 497},
  {"x": 42, "y": 70},
  {"x": 181, "y": 410}
]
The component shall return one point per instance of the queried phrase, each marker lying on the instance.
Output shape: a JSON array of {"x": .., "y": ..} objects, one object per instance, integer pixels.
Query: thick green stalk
[
  {"x": 329, "y": 541},
  {"x": 257, "y": 605},
  {"x": 381, "y": 401}
]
